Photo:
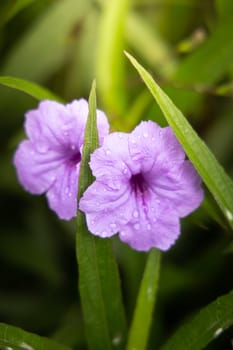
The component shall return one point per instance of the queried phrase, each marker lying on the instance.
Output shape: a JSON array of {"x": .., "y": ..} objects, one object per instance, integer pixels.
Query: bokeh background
[{"x": 63, "y": 45}]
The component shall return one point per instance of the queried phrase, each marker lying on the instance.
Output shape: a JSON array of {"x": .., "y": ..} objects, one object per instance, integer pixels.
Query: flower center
[
  {"x": 138, "y": 184},
  {"x": 75, "y": 157}
]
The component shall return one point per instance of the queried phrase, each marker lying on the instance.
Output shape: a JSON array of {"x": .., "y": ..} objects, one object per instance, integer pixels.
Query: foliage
[{"x": 54, "y": 50}]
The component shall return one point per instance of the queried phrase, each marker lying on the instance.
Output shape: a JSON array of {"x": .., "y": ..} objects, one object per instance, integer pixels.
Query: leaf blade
[
  {"x": 16, "y": 339},
  {"x": 138, "y": 335},
  {"x": 212, "y": 173},
  {"x": 28, "y": 87},
  {"x": 103, "y": 310},
  {"x": 208, "y": 324}
]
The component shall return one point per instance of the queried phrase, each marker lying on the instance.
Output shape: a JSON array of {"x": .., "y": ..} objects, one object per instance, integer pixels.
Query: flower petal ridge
[
  {"x": 143, "y": 186},
  {"x": 48, "y": 161}
]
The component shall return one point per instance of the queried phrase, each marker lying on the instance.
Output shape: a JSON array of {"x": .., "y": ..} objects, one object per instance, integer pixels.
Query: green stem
[{"x": 142, "y": 318}]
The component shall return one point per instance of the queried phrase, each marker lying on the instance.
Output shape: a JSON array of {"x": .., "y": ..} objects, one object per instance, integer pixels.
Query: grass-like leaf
[
  {"x": 30, "y": 88},
  {"x": 143, "y": 313},
  {"x": 204, "y": 327},
  {"x": 212, "y": 173},
  {"x": 99, "y": 282},
  {"x": 17, "y": 339}
]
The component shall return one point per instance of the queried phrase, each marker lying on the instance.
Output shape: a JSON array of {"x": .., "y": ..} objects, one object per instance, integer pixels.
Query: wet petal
[
  {"x": 36, "y": 170},
  {"x": 107, "y": 210},
  {"x": 153, "y": 230},
  {"x": 62, "y": 195}
]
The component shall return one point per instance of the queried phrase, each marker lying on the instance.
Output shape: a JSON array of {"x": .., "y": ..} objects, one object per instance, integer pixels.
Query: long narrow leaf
[
  {"x": 99, "y": 283},
  {"x": 212, "y": 173},
  {"x": 204, "y": 327},
  {"x": 30, "y": 88},
  {"x": 17, "y": 339},
  {"x": 139, "y": 331}
]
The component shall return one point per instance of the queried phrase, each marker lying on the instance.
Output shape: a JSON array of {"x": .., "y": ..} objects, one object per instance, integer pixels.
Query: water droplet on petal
[
  {"x": 125, "y": 171},
  {"x": 113, "y": 225},
  {"x": 73, "y": 147},
  {"x": 93, "y": 222},
  {"x": 120, "y": 136},
  {"x": 133, "y": 141},
  {"x": 104, "y": 234},
  {"x": 145, "y": 135},
  {"x": 148, "y": 227},
  {"x": 122, "y": 233},
  {"x": 153, "y": 138},
  {"x": 69, "y": 194},
  {"x": 137, "y": 227},
  {"x": 135, "y": 214},
  {"x": 108, "y": 152}
]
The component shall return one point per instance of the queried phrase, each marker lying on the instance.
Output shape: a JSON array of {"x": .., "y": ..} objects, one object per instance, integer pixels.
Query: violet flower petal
[
  {"x": 143, "y": 187},
  {"x": 48, "y": 161}
]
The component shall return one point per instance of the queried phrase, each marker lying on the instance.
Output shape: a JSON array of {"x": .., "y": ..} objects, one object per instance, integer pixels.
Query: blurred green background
[{"x": 63, "y": 45}]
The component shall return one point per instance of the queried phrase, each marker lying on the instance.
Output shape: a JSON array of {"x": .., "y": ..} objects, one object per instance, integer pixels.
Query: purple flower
[
  {"x": 49, "y": 160},
  {"x": 143, "y": 187}
]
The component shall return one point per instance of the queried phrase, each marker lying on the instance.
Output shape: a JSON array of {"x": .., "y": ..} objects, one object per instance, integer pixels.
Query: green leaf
[
  {"x": 109, "y": 60},
  {"x": 212, "y": 173},
  {"x": 207, "y": 325},
  {"x": 17, "y": 339},
  {"x": 139, "y": 331},
  {"x": 30, "y": 88},
  {"x": 99, "y": 282}
]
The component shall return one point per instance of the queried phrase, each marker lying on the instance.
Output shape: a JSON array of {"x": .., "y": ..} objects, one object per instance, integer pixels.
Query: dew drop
[
  {"x": 153, "y": 138},
  {"x": 120, "y": 136},
  {"x": 73, "y": 147},
  {"x": 149, "y": 293},
  {"x": 148, "y": 226},
  {"x": 145, "y": 135},
  {"x": 125, "y": 171},
  {"x": 25, "y": 346},
  {"x": 108, "y": 152},
  {"x": 122, "y": 233},
  {"x": 218, "y": 332},
  {"x": 135, "y": 214},
  {"x": 133, "y": 141},
  {"x": 104, "y": 234},
  {"x": 93, "y": 222},
  {"x": 113, "y": 225},
  {"x": 229, "y": 215},
  {"x": 69, "y": 194},
  {"x": 137, "y": 227},
  {"x": 117, "y": 340}
]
